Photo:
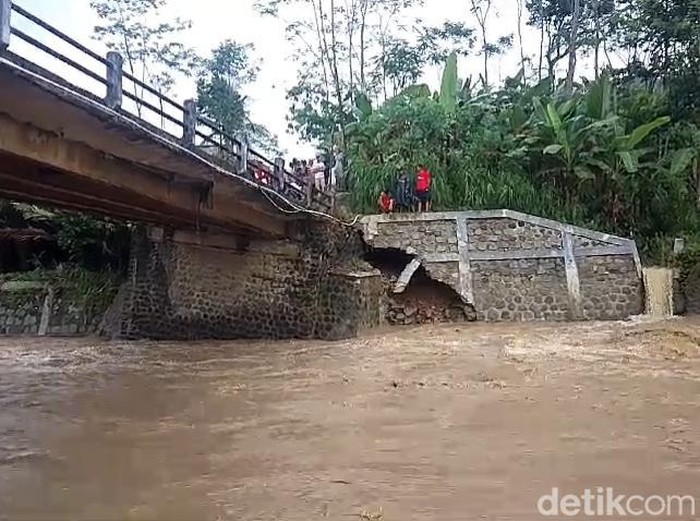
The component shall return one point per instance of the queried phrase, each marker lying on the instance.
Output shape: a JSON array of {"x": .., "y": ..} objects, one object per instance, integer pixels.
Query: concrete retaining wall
[{"x": 513, "y": 266}]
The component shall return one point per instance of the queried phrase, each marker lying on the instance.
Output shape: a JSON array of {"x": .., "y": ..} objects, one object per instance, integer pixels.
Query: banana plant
[
  {"x": 568, "y": 136},
  {"x": 626, "y": 147},
  {"x": 587, "y": 138},
  {"x": 449, "y": 90}
]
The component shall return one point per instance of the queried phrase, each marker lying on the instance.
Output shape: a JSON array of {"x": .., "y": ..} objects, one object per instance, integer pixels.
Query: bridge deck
[{"x": 64, "y": 147}]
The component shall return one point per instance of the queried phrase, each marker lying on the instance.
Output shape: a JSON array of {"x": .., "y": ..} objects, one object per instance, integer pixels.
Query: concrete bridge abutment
[
  {"x": 498, "y": 265},
  {"x": 188, "y": 285}
]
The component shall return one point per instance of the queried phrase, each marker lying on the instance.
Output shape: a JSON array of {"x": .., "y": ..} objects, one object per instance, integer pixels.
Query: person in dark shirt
[
  {"x": 329, "y": 165},
  {"x": 404, "y": 194}
]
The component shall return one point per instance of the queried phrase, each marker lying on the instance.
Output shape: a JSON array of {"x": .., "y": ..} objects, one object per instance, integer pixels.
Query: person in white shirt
[{"x": 317, "y": 169}]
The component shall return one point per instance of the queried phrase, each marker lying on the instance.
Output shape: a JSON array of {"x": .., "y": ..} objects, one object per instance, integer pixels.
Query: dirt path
[{"x": 434, "y": 423}]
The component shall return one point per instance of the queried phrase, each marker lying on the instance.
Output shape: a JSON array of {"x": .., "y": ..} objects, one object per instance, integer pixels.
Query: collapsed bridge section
[{"x": 514, "y": 266}]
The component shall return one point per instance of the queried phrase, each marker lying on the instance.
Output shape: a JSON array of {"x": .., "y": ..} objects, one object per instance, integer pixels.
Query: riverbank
[{"x": 436, "y": 422}]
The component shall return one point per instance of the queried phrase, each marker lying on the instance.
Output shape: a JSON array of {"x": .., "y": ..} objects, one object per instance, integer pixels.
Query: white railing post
[
  {"x": 114, "y": 80},
  {"x": 189, "y": 122},
  {"x": 5, "y": 28}
]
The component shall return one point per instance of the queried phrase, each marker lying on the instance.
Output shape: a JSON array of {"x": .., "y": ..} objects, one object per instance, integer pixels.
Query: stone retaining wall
[
  {"x": 48, "y": 309},
  {"x": 184, "y": 286},
  {"x": 513, "y": 266}
]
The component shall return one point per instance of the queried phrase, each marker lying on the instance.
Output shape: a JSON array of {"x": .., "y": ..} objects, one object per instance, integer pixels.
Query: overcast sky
[{"x": 217, "y": 20}]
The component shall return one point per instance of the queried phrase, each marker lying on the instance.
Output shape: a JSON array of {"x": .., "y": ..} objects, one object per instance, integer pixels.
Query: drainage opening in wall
[{"x": 412, "y": 296}]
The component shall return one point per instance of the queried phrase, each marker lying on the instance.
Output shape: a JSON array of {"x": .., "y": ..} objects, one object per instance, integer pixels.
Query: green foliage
[
  {"x": 150, "y": 45},
  {"x": 450, "y": 80},
  {"x": 345, "y": 48},
  {"x": 90, "y": 290},
  {"x": 90, "y": 242},
  {"x": 221, "y": 79},
  {"x": 602, "y": 157}
]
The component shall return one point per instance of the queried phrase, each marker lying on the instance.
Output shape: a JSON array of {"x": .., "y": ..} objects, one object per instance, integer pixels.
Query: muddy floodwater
[{"x": 433, "y": 423}]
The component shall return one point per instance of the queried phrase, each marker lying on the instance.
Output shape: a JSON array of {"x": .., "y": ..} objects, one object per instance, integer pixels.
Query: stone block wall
[
  {"x": 186, "y": 286},
  {"x": 521, "y": 289},
  {"x": 51, "y": 307},
  {"x": 513, "y": 266},
  {"x": 610, "y": 287},
  {"x": 686, "y": 290},
  {"x": 510, "y": 235},
  {"x": 21, "y": 308},
  {"x": 437, "y": 237}
]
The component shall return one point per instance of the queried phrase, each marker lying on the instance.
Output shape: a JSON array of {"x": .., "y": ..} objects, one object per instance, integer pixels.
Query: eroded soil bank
[{"x": 475, "y": 421}]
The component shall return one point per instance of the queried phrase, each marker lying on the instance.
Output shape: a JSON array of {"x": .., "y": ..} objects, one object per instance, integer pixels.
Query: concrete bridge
[
  {"x": 69, "y": 147},
  {"x": 227, "y": 254}
]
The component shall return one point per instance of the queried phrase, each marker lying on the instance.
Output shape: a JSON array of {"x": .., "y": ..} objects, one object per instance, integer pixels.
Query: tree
[
  {"x": 482, "y": 9},
  {"x": 660, "y": 38},
  {"x": 346, "y": 47},
  {"x": 553, "y": 19},
  {"x": 440, "y": 42},
  {"x": 220, "y": 82},
  {"x": 152, "y": 47},
  {"x": 521, "y": 8},
  {"x": 568, "y": 27},
  {"x": 400, "y": 65},
  {"x": 573, "y": 44}
]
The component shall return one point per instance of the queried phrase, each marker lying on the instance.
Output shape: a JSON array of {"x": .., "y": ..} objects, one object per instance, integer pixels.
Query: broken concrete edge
[
  {"x": 355, "y": 274},
  {"x": 406, "y": 275}
]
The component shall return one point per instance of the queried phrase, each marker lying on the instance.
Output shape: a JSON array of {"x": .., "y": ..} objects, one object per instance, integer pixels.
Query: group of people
[
  {"x": 408, "y": 195},
  {"x": 325, "y": 171}
]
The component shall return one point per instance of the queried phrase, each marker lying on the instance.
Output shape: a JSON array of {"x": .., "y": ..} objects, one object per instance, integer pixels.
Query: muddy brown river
[{"x": 432, "y": 423}]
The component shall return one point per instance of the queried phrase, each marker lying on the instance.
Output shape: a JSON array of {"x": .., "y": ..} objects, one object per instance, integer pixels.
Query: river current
[{"x": 444, "y": 423}]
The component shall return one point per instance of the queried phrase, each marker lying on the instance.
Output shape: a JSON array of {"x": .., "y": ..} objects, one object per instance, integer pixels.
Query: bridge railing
[{"x": 125, "y": 93}]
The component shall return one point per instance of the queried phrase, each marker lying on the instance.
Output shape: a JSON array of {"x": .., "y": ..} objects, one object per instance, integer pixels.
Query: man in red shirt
[{"x": 423, "y": 184}]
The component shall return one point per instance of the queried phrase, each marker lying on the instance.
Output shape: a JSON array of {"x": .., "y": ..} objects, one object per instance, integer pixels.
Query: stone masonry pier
[
  {"x": 513, "y": 266},
  {"x": 187, "y": 285}
]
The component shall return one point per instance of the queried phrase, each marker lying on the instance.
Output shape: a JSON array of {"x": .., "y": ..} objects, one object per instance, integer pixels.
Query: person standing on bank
[
  {"x": 318, "y": 169},
  {"x": 385, "y": 202},
  {"x": 339, "y": 172},
  {"x": 328, "y": 169},
  {"x": 424, "y": 181}
]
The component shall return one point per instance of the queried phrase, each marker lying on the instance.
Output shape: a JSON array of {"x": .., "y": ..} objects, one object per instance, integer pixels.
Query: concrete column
[
  {"x": 189, "y": 122},
  {"x": 230, "y": 146},
  {"x": 678, "y": 246},
  {"x": 45, "y": 320},
  {"x": 5, "y": 32},
  {"x": 243, "y": 167},
  {"x": 279, "y": 172},
  {"x": 114, "y": 80},
  {"x": 466, "y": 290},
  {"x": 572, "y": 280}
]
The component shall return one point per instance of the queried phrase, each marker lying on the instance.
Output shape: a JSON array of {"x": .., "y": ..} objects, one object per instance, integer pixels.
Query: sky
[{"x": 218, "y": 20}]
